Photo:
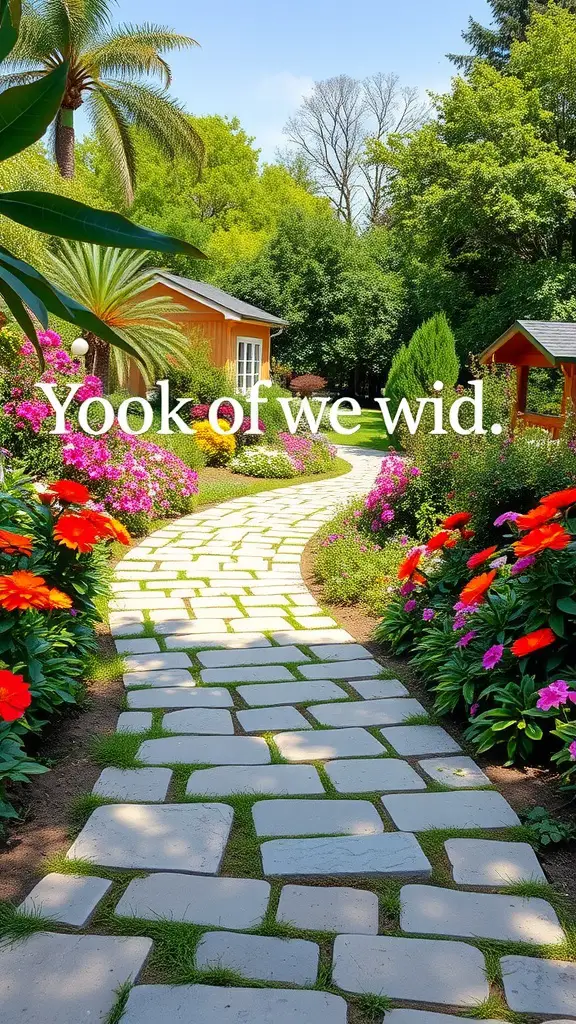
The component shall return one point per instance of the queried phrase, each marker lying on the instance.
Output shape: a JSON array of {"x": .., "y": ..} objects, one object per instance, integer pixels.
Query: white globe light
[{"x": 79, "y": 347}]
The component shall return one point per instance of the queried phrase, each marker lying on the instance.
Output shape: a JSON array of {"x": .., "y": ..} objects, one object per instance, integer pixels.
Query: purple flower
[
  {"x": 499, "y": 563},
  {"x": 523, "y": 563},
  {"x": 474, "y": 710},
  {"x": 414, "y": 471},
  {"x": 404, "y": 541},
  {"x": 410, "y": 605},
  {"x": 428, "y": 614},
  {"x": 506, "y": 517},
  {"x": 572, "y": 750},
  {"x": 407, "y": 588},
  {"x": 555, "y": 694},
  {"x": 459, "y": 622},
  {"x": 467, "y": 638},
  {"x": 492, "y": 656}
]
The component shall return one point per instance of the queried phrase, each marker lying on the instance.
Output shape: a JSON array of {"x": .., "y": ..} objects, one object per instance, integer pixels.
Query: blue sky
[{"x": 258, "y": 57}]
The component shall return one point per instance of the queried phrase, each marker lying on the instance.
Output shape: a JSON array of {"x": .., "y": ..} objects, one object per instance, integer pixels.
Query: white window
[{"x": 248, "y": 362}]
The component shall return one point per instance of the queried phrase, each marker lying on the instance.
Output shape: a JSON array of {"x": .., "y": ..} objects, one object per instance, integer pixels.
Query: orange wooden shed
[
  {"x": 239, "y": 333},
  {"x": 543, "y": 343}
]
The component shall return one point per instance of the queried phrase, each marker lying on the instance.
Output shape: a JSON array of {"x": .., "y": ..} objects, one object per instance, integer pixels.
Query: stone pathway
[{"x": 285, "y": 804}]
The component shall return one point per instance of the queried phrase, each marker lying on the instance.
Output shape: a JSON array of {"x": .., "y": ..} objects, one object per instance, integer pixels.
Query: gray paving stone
[
  {"x": 220, "y": 902},
  {"x": 456, "y": 772},
  {"x": 143, "y": 646},
  {"x": 402, "y": 1016},
  {"x": 254, "y": 674},
  {"x": 417, "y": 740},
  {"x": 213, "y": 721},
  {"x": 316, "y": 818},
  {"x": 372, "y": 689},
  {"x": 126, "y": 623},
  {"x": 391, "y": 853},
  {"x": 180, "y": 697},
  {"x": 372, "y": 775},
  {"x": 431, "y": 910},
  {"x": 339, "y": 652},
  {"x": 251, "y": 656},
  {"x": 163, "y": 677},
  {"x": 156, "y": 662},
  {"x": 329, "y": 909},
  {"x": 138, "y": 784},
  {"x": 532, "y": 985},
  {"x": 291, "y": 693},
  {"x": 367, "y": 712},
  {"x": 68, "y": 899},
  {"x": 233, "y": 641},
  {"x": 51, "y": 978},
  {"x": 419, "y": 970},
  {"x": 189, "y": 1004},
  {"x": 343, "y": 670},
  {"x": 156, "y": 837},
  {"x": 310, "y": 636},
  {"x": 419, "y": 811},
  {"x": 272, "y": 719},
  {"x": 324, "y": 744},
  {"x": 270, "y": 780},
  {"x": 134, "y": 721},
  {"x": 260, "y": 623},
  {"x": 182, "y": 624},
  {"x": 489, "y": 862},
  {"x": 258, "y": 957},
  {"x": 205, "y": 750}
]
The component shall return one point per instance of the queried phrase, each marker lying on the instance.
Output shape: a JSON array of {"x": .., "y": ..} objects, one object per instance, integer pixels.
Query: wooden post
[{"x": 521, "y": 393}]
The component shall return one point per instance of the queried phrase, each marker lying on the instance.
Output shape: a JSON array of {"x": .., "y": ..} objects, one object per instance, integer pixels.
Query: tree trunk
[
  {"x": 101, "y": 365},
  {"x": 65, "y": 142}
]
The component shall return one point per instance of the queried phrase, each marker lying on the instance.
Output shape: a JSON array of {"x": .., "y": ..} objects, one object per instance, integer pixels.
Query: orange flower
[
  {"x": 474, "y": 591},
  {"x": 533, "y": 642},
  {"x": 409, "y": 565},
  {"x": 23, "y": 590},
  {"x": 553, "y": 536},
  {"x": 14, "y": 696},
  {"x": 480, "y": 557},
  {"x": 457, "y": 521},
  {"x": 70, "y": 491},
  {"x": 560, "y": 499},
  {"x": 106, "y": 525},
  {"x": 417, "y": 577},
  {"x": 536, "y": 517},
  {"x": 76, "y": 532},
  {"x": 438, "y": 541},
  {"x": 120, "y": 532},
  {"x": 57, "y": 599},
  {"x": 15, "y": 543}
]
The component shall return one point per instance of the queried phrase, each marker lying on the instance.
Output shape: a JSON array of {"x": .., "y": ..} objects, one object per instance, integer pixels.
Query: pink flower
[
  {"x": 474, "y": 710},
  {"x": 467, "y": 638},
  {"x": 410, "y": 605},
  {"x": 428, "y": 614},
  {"x": 407, "y": 588},
  {"x": 357, "y": 513},
  {"x": 506, "y": 517},
  {"x": 572, "y": 750},
  {"x": 492, "y": 656},
  {"x": 555, "y": 694},
  {"x": 523, "y": 563}
]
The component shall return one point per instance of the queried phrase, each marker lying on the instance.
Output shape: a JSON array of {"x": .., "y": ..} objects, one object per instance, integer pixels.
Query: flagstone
[
  {"x": 310, "y": 636},
  {"x": 205, "y": 750},
  {"x": 490, "y": 862},
  {"x": 138, "y": 784},
  {"x": 189, "y": 1004},
  {"x": 415, "y": 740},
  {"x": 190, "y": 627},
  {"x": 144, "y": 602},
  {"x": 134, "y": 721},
  {"x": 339, "y": 652},
  {"x": 253, "y": 674},
  {"x": 260, "y": 623},
  {"x": 145, "y": 645},
  {"x": 325, "y": 744},
  {"x": 315, "y": 622},
  {"x": 315, "y": 817},
  {"x": 374, "y": 689},
  {"x": 420, "y": 970},
  {"x": 262, "y": 656},
  {"x": 230, "y": 641},
  {"x": 434, "y": 911},
  {"x": 220, "y": 902},
  {"x": 207, "y": 614},
  {"x": 165, "y": 677},
  {"x": 212, "y": 721},
  {"x": 421, "y": 811},
  {"x": 394, "y": 854},
  {"x": 272, "y": 719},
  {"x": 455, "y": 772},
  {"x": 329, "y": 909},
  {"x": 372, "y": 775},
  {"x": 156, "y": 837},
  {"x": 179, "y": 697},
  {"x": 67, "y": 899},
  {"x": 261, "y": 958},
  {"x": 409, "y": 1016},
  {"x": 342, "y": 669},
  {"x": 267, "y": 780},
  {"x": 126, "y": 623},
  {"x": 367, "y": 712},
  {"x": 532, "y": 985},
  {"x": 155, "y": 662}
]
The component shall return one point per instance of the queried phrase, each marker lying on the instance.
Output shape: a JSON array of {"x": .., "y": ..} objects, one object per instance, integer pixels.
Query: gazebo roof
[{"x": 552, "y": 343}]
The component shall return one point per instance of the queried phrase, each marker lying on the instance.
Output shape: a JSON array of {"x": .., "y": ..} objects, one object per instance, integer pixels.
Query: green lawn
[{"x": 370, "y": 435}]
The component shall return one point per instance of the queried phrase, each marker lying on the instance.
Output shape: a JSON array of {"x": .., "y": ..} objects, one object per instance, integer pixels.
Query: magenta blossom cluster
[
  {"x": 392, "y": 481},
  {"x": 301, "y": 450},
  {"x": 555, "y": 695}
]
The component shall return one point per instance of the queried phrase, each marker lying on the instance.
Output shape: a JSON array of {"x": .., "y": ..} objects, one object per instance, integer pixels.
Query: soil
[{"x": 523, "y": 788}]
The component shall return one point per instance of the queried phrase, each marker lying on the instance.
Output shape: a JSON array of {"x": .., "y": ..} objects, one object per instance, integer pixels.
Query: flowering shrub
[
  {"x": 226, "y": 412},
  {"x": 51, "y": 571},
  {"x": 309, "y": 454},
  {"x": 392, "y": 482},
  {"x": 218, "y": 448},
  {"x": 263, "y": 462}
]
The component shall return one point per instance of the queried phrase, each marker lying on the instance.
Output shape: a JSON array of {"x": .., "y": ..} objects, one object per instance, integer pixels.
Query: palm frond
[
  {"x": 19, "y": 78},
  {"x": 111, "y": 126},
  {"x": 39, "y": 37},
  {"x": 162, "y": 117},
  {"x": 132, "y": 50}
]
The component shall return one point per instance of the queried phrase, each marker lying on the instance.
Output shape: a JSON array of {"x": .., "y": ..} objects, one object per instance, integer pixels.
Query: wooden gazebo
[{"x": 538, "y": 343}]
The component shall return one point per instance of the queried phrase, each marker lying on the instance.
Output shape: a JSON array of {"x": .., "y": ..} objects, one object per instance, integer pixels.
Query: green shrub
[
  {"x": 262, "y": 461},
  {"x": 429, "y": 357}
]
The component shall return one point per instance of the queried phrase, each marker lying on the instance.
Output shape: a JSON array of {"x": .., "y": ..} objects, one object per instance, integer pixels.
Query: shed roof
[
  {"x": 220, "y": 300},
  {"x": 555, "y": 339}
]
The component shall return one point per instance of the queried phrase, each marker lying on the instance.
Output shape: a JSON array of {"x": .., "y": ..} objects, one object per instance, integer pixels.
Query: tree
[
  {"x": 430, "y": 356},
  {"x": 106, "y": 70},
  {"x": 330, "y": 130},
  {"x": 509, "y": 23},
  {"x": 111, "y": 283}
]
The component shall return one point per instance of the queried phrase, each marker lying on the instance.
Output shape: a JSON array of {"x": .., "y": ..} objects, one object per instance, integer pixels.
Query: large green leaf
[
  {"x": 9, "y": 24},
  {"x": 27, "y": 296},
  {"x": 27, "y": 110},
  {"x": 21, "y": 315},
  {"x": 28, "y": 274},
  {"x": 66, "y": 218}
]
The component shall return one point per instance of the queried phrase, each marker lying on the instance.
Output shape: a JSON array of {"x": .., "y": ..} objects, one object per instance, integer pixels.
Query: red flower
[
  {"x": 70, "y": 491},
  {"x": 480, "y": 557},
  {"x": 23, "y": 590},
  {"x": 560, "y": 499},
  {"x": 409, "y": 565},
  {"x": 468, "y": 534},
  {"x": 106, "y": 525},
  {"x": 533, "y": 642},
  {"x": 120, "y": 533},
  {"x": 553, "y": 536},
  {"x": 536, "y": 517},
  {"x": 474, "y": 591},
  {"x": 14, "y": 696},
  {"x": 438, "y": 541},
  {"x": 57, "y": 599},
  {"x": 457, "y": 521},
  {"x": 15, "y": 543},
  {"x": 76, "y": 532}
]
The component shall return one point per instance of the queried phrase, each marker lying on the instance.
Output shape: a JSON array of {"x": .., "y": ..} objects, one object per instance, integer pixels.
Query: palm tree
[
  {"x": 111, "y": 282},
  {"x": 107, "y": 68}
]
